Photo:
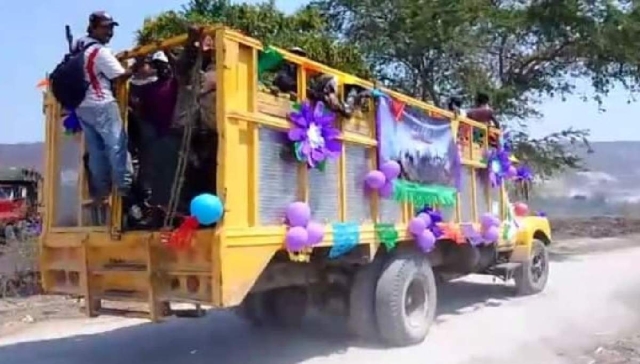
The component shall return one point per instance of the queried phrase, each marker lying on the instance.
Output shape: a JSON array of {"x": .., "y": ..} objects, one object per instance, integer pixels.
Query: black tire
[
  {"x": 282, "y": 307},
  {"x": 406, "y": 280},
  {"x": 253, "y": 309},
  {"x": 362, "y": 321},
  {"x": 532, "y": 276},
  {"x": 288, "y": 306}
]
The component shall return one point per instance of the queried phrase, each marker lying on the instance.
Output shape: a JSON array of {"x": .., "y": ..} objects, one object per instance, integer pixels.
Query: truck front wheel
[
  {"x": 532, "y": 276},
  {"x": 406, "y": 299}
]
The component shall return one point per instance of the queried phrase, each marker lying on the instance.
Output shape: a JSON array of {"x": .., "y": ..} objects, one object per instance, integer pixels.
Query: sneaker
[{"x": 136, "y": 212}]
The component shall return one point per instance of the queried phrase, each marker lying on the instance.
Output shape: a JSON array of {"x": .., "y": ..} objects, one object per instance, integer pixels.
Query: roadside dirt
[
  {"x": 594, "y": 227},
  {"x": 621, "y": 351},
  {"x": 16, "y": 313}
]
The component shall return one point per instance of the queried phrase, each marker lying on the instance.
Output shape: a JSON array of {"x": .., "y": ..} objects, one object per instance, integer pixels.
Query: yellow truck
[{"x": 362, "y": 206}]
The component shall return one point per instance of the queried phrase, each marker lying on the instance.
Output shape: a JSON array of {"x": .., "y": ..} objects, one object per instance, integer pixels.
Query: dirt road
[{"x": 591, "y": 300}]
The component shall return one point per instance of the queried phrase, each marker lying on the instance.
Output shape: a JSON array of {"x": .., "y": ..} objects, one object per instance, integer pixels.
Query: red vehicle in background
[{"x": 19, "y": 191}]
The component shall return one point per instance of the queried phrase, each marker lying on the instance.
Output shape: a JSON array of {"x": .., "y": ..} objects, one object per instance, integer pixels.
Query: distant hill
[
  {"x": 22, "y": 155},
  {"x": 610, "y": 187}
]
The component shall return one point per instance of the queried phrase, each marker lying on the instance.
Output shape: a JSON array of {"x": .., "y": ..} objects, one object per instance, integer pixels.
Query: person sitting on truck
[
  {"x": 483, "y": 112},
  {"x": 455, "y": 105},
  {"x": 286, "y": 80},
  {"x": 99, "y": 114},
  {"x": 324, "y": 88}
]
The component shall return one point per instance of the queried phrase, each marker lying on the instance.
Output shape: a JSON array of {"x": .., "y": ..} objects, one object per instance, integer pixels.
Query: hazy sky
[{"x": 32, "y": 39}]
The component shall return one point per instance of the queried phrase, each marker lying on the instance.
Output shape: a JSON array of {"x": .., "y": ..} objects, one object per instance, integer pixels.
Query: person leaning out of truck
[{"x": 99, "y": 114}]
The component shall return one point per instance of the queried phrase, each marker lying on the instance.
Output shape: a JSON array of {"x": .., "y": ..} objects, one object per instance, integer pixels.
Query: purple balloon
[
  {"x": 471, "y": 234},
  {"x": 491, "y": 234},
  {"x": 417, "y": 226},
  {"x": 298, "y": 214},
  {"x": 375, "y": 179},
  {"x": 296, "y": 239},
  {"x": 390, "y": 169},
  {"x": 426, "y": 217},
  {"x": 426, "y": 241},
  {"x": 315, "y": 232},
  {"x": 488, "y": 219},
  {"x": 386, "y": 190}
]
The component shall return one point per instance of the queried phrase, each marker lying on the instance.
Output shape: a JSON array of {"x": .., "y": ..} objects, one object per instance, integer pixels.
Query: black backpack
[{"x": 67, "y": 80}]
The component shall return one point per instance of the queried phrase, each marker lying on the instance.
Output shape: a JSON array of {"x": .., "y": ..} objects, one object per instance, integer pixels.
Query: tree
[
  {"x": 519, "y": 51},
  {"x": 306, "y": 28}
]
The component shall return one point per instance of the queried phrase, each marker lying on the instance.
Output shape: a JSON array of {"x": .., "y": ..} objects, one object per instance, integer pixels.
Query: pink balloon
[
  {"x": 386, "y": 190},
  {"x": 426, "y": 217},
  {"x": 491, "y": 234},
  {"x": 296, "y": 239},
  {"x": 375, "y": 179},
  {"x": 390, "y": 169},
  {"x": 315, "y": 232},
  {"x": 298, "y": 214},
  {"x": 426, "y": 241},
  {"x": 521, "y": 209},
  {"x": 417, "y": 226}
]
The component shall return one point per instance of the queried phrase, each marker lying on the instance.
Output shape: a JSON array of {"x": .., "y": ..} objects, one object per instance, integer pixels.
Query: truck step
[
  {"x": 505, "y": 271},
  {"x": 121, "y": 296},
  {"x": 123, "y": 313},
  {"x": 128, "y": 267},
  {"x": 190, "y": 313}
]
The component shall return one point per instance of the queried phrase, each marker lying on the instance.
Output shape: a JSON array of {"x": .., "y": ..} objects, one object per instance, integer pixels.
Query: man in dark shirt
[
  {"x": 482, "y": 112},
  {"x": 153, "y": 99}
]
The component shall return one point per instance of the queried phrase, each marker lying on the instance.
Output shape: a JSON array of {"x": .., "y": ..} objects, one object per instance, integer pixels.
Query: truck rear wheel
[
  {"x": 406, "y": 299},
  {"x": 362, "y": 320},
  {"x": 532, "y": 276},
  {"x": 288, "y": 306},
  {"x": 253, "y": 309},
  {"x": 283, "y": 307}
]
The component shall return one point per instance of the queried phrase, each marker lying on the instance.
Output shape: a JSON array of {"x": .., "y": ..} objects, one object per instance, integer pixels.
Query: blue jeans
[{"x": 106, "y": 143}]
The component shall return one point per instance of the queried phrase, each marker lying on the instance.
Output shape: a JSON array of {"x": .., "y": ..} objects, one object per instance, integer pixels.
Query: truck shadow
[
  {"x": 463, "y": 297},
  {"x": 223, "y": 338}
]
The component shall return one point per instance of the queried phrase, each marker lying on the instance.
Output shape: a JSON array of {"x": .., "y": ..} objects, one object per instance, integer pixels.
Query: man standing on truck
[
  {"x": 153, "y": 95},
  {"x": 99, "y": 114}
]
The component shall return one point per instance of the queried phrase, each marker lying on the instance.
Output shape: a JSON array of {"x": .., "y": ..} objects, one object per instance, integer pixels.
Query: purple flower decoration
[
  {"x": 314, "y": 137},
  {"x": 498, "y": 164},
  {"x": 524, "y": 174}
]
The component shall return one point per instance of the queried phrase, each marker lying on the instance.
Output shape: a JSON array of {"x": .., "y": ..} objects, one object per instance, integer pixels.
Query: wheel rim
[
  {"x": 538, "y": 266},
  {"x": 415, "y": 303}
]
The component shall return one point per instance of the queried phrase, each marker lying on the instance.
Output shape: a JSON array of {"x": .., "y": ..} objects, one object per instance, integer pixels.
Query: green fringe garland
[
  {"x": 387, "y": 234},
  {"x": 424, "y": 195},
  {"x": 268, "y": 60}
]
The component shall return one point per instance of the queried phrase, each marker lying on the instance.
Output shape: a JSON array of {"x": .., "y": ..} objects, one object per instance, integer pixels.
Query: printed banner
[{"x": 424, "y": 146}]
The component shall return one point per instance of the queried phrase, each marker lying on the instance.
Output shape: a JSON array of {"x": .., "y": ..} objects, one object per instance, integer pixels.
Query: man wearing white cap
[{"x": 153, "y": 95}]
